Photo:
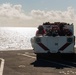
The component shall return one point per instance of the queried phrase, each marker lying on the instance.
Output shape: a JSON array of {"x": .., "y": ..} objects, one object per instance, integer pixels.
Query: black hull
[{"x": 56, "y": 56}]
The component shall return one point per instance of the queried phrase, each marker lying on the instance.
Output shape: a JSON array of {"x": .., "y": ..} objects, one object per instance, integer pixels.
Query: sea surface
[{"x": 16, "y": 38}]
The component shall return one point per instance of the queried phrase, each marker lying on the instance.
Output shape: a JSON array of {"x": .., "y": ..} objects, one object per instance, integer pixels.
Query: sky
[{"x": 31, "y": 13}]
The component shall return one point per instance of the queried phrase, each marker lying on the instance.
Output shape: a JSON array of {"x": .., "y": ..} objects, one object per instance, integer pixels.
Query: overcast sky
[{"x": 22, "y": 13}]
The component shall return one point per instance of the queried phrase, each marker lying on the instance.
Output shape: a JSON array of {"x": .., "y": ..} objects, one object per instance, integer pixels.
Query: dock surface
[{"x": 23, "y": 62}]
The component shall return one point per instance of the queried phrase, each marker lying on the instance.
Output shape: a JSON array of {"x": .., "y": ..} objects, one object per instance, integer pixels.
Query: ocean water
[{"x": 16, "y": 38}]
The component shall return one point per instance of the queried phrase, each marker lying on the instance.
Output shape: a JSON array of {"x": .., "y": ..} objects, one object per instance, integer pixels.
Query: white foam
[{"x": 15, "y": 38}]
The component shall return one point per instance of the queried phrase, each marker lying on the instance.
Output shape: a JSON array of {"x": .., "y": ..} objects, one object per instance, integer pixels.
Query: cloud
[
  {"x": 14, "y": 15},
  {"x": 66, "y": 16},
  {"x": 12, "y": 11}
]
